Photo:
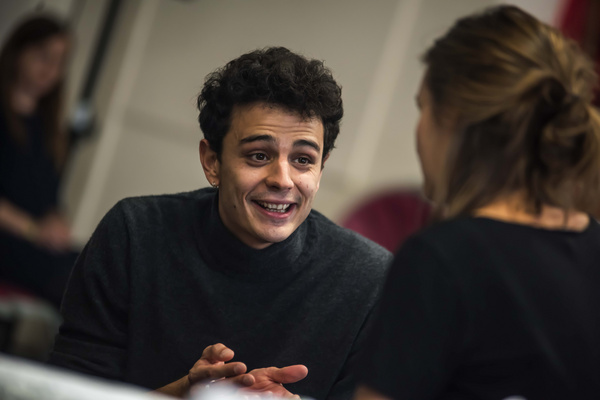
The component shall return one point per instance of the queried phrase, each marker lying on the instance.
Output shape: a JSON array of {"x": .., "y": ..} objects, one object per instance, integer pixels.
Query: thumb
[{"x": 290, "y": 374}]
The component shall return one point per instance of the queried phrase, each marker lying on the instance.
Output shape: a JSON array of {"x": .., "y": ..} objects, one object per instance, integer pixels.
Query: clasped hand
[{"x": 214, "y": 365}]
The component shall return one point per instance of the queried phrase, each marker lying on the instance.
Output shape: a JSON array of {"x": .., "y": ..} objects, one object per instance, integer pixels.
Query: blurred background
[{"x": 138, "y": 65}]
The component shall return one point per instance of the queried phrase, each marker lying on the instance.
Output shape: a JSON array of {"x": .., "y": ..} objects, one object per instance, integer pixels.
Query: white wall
[
  {"x": 545, "y": 10},
  {"x": 149, "y": 135},
  {"x": 12, "y": 11}
]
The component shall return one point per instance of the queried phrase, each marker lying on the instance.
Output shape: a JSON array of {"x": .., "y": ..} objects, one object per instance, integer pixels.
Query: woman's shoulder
[
  {"x": 457, "y": 231},
  {"x": 461, "y": 241},
  {"x": 478, "y": 228},
  {"x": 471, "y": 240}
]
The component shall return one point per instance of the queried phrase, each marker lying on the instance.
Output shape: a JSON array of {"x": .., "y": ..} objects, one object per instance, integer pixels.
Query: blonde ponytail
[{"x": 521, "y": 93}]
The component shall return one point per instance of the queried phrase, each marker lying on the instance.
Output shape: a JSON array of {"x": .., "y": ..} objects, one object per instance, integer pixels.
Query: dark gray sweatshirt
[{"x": 162, "y": 278}]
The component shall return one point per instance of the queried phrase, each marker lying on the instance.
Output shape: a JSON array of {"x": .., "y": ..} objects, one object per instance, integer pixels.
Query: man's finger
[
  {"x": 202, "y": 372},
  {"x": 291, "y": 374},
  {"x": 217, "y": 352},
  {"x": 242, "y": 380}
]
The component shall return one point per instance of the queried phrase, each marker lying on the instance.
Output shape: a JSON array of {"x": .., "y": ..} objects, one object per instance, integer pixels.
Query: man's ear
[{"x": 210, "y": 163}]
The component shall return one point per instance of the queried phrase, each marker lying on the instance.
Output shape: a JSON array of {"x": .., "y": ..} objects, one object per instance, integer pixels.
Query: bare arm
[
  {"x": 51, "y": 232},
  {"x": 17, "y": 221}
]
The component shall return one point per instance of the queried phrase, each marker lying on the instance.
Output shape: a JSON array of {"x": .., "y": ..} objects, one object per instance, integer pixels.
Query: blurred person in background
[
  {"x": 501, "y": 299},
  {"x": 35, "y": 243},
  {"x": 169, "y": 287}
]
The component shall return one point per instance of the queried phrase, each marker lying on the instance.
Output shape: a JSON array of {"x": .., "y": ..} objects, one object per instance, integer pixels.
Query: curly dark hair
[{"x": 274, "y": 76}]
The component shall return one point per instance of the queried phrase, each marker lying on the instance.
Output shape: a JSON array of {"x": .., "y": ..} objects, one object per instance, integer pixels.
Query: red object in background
[
  {"x": 580, "y": 21},
  {"x": 8, "y": 290},
  {"x": 390, "y": 218}
]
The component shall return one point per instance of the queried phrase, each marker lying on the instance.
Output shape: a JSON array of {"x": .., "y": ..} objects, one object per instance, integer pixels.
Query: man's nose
[{"x": 279, "y": 175}]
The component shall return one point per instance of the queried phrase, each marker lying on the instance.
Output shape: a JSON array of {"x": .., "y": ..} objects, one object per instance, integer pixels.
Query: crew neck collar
[{"x": 223, "y": 251}]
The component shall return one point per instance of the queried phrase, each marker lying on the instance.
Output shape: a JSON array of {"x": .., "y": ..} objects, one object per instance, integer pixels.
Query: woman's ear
[{"x": 210, "y": 163}]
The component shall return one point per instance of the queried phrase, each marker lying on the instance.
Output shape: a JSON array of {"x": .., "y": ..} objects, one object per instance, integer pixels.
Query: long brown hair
[
  {"x": 31, "y": 32},
  {"x": 521, "y": 93}
]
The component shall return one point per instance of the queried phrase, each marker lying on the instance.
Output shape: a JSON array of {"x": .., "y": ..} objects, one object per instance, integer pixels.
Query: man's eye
[
  {"x": 304, "y": 160},
  {"x": 258, "y": 156}
]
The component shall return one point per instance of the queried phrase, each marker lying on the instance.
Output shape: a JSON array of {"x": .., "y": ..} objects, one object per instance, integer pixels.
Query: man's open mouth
[{"x": 280, "y": 208}]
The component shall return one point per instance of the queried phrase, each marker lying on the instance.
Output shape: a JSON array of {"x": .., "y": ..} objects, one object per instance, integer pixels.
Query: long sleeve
[{"x": 93, "y": 337}]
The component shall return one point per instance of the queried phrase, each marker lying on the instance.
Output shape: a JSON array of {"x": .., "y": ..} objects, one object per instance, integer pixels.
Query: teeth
[{"x": 275, "y": 207}]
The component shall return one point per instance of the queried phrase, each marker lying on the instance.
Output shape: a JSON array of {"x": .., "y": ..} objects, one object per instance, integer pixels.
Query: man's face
[{"x": 268, "y": 174}]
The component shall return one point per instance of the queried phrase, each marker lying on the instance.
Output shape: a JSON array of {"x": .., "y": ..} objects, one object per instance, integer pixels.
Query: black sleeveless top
[{"x": 28, "y": 177}]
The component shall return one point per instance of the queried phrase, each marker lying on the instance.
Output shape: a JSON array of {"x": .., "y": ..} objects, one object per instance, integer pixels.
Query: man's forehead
[
  {"x": 249, "y": 119},
  {"x": 271, "y": 108}
]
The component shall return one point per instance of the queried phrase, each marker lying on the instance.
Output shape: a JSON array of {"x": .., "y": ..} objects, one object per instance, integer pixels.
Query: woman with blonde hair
[
  {"x": 35, "y": 244},
  {"x": 502, "y": 298}
]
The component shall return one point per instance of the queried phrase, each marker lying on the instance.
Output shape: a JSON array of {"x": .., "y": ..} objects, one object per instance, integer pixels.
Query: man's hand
[
  {"x": 211, "y": 366},
  {"x": 271, "y": 380}
]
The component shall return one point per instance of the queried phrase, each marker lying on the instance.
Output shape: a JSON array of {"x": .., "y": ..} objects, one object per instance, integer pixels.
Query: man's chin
[{"x": 278, "y": 235}]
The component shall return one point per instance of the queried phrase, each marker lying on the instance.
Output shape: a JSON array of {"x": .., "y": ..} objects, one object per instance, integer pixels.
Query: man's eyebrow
[
  {"x": 257, "y": 138},
  {"x": 310, "y": 143}
]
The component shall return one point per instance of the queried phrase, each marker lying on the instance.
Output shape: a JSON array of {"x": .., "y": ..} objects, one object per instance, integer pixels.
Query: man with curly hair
[{"x": 166, "y": 280}]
